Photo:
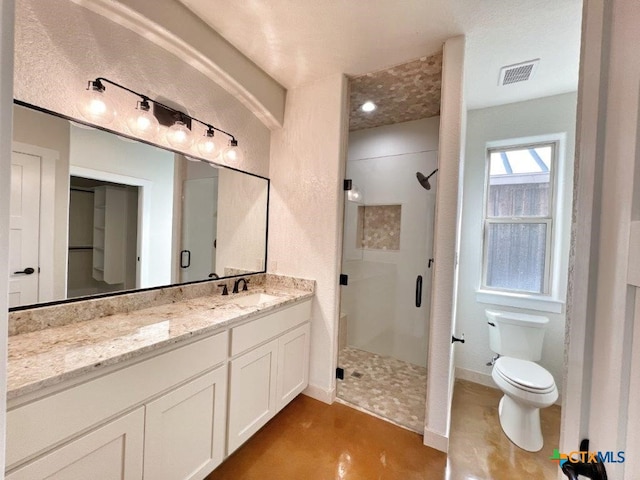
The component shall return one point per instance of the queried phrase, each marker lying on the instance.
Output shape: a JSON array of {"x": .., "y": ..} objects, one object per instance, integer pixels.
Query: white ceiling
[{"x": 299, "y": 41}]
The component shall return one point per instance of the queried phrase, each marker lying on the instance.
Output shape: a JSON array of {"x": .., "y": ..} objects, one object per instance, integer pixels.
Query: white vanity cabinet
[
  {"x": 185, "y": 429},
  {"x": 172, "y": 414},
  {"x": 293, "y": 365},
  {"x": 270, "y": 367},
  {"x": 111, "y": 452},
  {"x": 152, "y": 412}
]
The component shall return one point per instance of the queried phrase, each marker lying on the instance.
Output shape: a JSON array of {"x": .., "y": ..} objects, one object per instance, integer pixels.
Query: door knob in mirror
[{"x": 26, "y": 271}]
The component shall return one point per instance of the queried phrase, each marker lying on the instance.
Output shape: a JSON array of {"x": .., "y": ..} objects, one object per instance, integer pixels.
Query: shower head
[{"x": 424, "y": 181}]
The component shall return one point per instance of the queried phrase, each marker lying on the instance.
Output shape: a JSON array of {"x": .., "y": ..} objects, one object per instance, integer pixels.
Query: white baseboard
[
  {"x": 321, "y": 394},
  {"x": 436, "y": 440},
  {"x": 475, "y": 377}
]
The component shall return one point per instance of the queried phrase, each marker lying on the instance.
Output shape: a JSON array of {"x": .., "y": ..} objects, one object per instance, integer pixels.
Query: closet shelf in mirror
[{"x": 81, "y": 247}]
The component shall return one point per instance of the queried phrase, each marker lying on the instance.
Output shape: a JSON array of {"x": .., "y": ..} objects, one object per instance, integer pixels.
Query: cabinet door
[
  {"x": 185, "y": 429},
  {"x": 252, "y": 401},
  {"x": 293, "y": 364},
  {"x": 111, "y": 452}
]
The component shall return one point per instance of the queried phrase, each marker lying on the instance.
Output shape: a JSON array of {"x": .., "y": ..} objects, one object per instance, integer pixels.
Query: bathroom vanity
[{"x": 162, "y": 392}]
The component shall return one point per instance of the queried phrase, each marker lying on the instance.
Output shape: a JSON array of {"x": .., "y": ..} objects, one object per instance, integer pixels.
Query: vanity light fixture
[
  {"x": 179, "y": 136},
  {"x": 232, "y": 154},
  {"x": 94, "y": 106},
  {"x": 209, "y": 145},
  {"x": 144, "y": 122}
]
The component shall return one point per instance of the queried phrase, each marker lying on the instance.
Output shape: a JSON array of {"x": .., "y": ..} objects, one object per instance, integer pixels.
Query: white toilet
[{"x": 527, "y": 387}]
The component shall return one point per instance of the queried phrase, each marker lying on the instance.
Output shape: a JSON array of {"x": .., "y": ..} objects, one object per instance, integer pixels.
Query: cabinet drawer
[
  {"x": 258, "y": 331},
  {"x": 39, "y": 425}
]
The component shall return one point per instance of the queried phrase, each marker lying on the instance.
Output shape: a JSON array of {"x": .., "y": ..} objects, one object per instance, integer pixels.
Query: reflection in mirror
[
  {"x": 95, "y": 213},
  {"x": 101, "y": 259}
]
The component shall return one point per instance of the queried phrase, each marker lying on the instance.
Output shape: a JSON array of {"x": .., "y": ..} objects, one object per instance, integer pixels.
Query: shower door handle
[
  {"x": 419, "y": 291},
  {"x": 185, "y": 259}
]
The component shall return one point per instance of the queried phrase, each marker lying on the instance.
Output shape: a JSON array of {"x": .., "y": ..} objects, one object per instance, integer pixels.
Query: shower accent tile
[
  {"x": 385, "y": 386},
  {"x": 402, "y": 93},
  {"x": 379, "y": 227}
]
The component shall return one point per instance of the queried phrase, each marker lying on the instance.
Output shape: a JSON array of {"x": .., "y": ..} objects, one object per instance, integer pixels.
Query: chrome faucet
[{"x": 236, "y": 285}]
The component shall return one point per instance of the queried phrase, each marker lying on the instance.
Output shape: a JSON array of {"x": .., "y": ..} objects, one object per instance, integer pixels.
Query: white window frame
[{"x": 550, "y": 299}]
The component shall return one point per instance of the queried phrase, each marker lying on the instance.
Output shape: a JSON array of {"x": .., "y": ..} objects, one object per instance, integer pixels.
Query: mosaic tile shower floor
[{"x": 385, "y": 386}]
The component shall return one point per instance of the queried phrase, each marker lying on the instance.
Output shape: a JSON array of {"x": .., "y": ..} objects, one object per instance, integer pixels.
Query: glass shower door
[{"x": 387, "y": 247}]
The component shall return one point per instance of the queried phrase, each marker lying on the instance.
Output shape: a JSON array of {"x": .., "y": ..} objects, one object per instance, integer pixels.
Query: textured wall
[
  {"x": 305, "y": 220},
  {"x": 60, "y": 46},
  {"x": 170, "y": 24}
]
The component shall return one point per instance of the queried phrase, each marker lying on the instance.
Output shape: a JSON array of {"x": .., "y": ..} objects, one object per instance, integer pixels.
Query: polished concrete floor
[
  {"x": 310, "y": 440},
  {"x": 478, "y": 449}
]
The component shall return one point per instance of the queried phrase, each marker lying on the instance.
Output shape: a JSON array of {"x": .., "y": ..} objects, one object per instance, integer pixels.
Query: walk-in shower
[{"x": 387, "y": 245}]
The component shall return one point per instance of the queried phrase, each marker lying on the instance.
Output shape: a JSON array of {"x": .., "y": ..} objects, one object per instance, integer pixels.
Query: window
[{"x": 518, "y": 223}]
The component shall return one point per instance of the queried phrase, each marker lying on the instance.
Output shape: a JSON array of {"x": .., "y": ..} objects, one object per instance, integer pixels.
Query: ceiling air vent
[{"x": 520, "y": 72}]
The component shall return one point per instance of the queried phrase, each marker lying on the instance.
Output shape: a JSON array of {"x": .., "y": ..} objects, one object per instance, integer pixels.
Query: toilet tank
[{"x": 518, "y": 335}]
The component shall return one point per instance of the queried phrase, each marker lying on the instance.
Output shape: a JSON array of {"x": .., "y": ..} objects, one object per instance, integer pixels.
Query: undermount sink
[{"x": 254, "y": 299}]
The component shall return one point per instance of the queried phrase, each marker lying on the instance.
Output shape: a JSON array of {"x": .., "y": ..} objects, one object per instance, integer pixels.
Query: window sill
[{"x": 520, "y": 300}]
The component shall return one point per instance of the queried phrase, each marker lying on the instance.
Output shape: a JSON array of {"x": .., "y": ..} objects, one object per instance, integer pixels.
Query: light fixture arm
[
  {"x": 211, "y": 127},
  {"x": 99, "y": 82}
]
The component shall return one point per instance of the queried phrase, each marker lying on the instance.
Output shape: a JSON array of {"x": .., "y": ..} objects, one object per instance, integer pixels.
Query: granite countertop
[{"x": 49, "y": 356}]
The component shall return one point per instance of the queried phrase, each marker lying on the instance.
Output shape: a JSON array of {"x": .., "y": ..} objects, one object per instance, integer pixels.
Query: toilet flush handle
[
  {"x": 455, "y": 339},
  {"x": 493, "y": 360}
]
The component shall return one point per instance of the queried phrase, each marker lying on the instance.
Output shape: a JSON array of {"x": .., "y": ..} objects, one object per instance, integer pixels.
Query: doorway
[
  {"x": 103, "y": 237},
  {"x": 199, "y": 228},
  {"x": 32, "y": 197},
  {"x": 387, "y": 258}
]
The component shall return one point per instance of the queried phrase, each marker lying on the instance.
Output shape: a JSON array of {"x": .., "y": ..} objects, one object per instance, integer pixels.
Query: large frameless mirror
[{"x": 93, "y": 213}]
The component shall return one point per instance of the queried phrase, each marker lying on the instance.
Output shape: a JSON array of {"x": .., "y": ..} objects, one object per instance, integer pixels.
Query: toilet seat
[{"x": 525, "y": 375}]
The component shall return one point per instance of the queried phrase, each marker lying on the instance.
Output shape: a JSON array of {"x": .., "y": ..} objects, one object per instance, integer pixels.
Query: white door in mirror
[{"x": 24, "y": 230}]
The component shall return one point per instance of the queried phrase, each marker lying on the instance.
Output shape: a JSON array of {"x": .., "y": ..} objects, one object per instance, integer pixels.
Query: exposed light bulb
[
  {"x": 143, "y": 123},
  {"x": 93, "y": 105},
  {"x": 232, "y": 154},
  {"x": 179, "y": 136},
  {"x": 368, "y": 106},
  {"x": 209, "y": 145},
  {"x": 354, "y": 195}
]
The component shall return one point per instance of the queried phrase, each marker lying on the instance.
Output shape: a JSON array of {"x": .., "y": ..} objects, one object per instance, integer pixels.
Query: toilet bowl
[{"x": 527, "y": 388}]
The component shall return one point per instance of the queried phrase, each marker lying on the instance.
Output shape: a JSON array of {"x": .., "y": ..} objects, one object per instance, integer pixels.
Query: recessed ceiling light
[{"x": 368, "y": 107}]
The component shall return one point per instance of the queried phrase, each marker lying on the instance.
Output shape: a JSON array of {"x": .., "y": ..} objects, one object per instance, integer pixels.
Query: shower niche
[{"x": 379, "y": 227}]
